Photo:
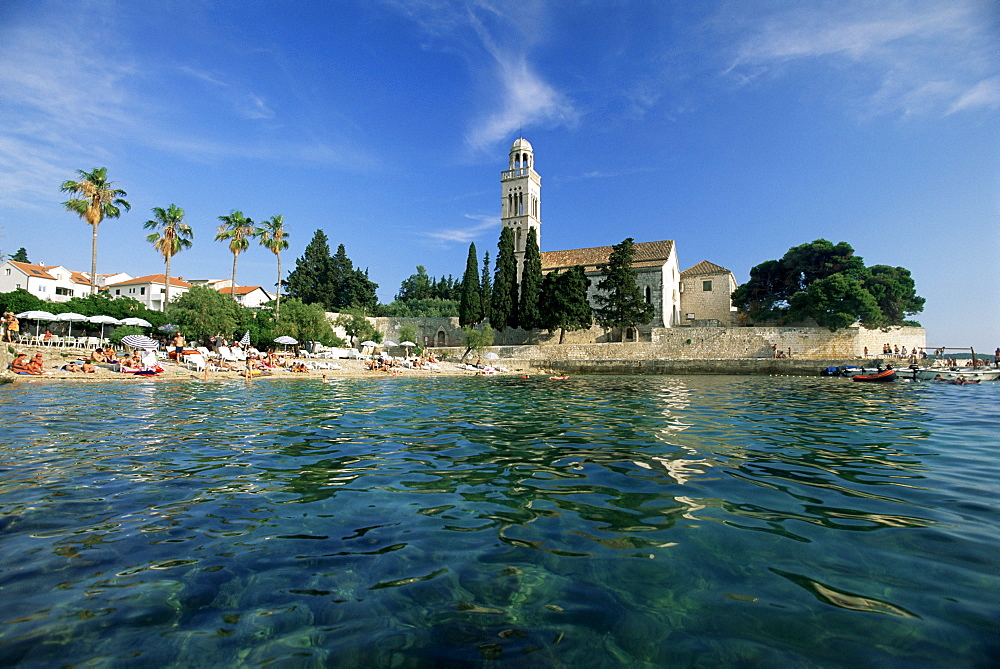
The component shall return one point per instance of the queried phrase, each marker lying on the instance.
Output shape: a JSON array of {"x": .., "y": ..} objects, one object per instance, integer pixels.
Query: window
[
  {"x": 7, "y": 272},
  {"x": 649, "y": 295},
  {"x": 142, "y": 291},
  {"x": 706, "y": 286},
  {"x": 64, "y": 291},
  {"x": 41, "y": 289},
  {"x": 690, "y": 317},
  {"x": 118, "y": 291}
]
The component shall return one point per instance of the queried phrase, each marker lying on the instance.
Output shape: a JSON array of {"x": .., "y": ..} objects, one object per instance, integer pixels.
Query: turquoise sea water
[{"x": 410, "y": 522}]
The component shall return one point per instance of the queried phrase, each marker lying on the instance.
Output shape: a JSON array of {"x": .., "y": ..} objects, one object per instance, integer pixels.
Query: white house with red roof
[
  {"x": 149, "y": 289},
  {"x": 53, "y": 283},
  {"x": 249, "y": 296}
]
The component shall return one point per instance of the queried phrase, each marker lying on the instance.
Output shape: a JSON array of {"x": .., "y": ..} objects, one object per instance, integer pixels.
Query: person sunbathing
[
  {"x": 88, "y": 368},
  {"x": 98, "y": 355},
  {"x": 37, "y": 365},
  {"x": 71, "y": 367},
  {"x": 22, "y": 365}
]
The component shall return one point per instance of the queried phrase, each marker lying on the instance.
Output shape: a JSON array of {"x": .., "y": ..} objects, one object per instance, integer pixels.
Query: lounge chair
[{"x": 227, "y": 355}]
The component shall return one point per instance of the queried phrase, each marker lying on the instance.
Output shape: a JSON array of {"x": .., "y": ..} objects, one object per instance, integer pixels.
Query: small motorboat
[{"x": 884, "y": 376}]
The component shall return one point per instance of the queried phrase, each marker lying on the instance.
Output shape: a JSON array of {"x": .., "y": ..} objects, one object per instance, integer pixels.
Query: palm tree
[
  {"x": 273, "y": 237},
  {"x": 95, "y": 200},
  {"x": 237, "y": 229},
  {"x": 174, "y": 236}
]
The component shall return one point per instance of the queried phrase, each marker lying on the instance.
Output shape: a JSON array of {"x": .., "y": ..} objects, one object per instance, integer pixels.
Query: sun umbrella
[
  {"x": 285, "y": 339},
  {"x": 490, "y": 355},
  {"x": 104, "y": 320},
  {"x": 140, "y": 322},
  {"x": 169, "y": 327},
  {"x": 368, "y": 343},
  {"x": 140, "y": 341},
  {"x": 387, "y": 344},
  {"x": 36, "y": 315},
  {"x": 70, "y": 317},
  {"x": 245, "y": 342},
  {"x": 407, "y": 344}
]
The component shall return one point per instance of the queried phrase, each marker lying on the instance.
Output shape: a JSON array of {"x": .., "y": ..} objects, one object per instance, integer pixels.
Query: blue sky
[{"x": 738, "y": 129}]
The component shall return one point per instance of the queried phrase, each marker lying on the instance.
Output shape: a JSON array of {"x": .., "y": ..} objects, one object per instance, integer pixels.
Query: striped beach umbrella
[
  {"x": 245, "y": 342},
  {"x": 140, "y": 341}
]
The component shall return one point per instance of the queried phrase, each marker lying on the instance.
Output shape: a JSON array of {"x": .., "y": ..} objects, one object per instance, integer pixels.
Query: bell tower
[{"x": 520, "y": 198}]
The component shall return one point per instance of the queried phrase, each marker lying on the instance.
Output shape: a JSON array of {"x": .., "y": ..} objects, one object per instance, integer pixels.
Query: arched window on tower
[
  {"x": 517, "y": 241},
  {"x": 649, "y": 295},
  {"x": 520, "y": 204}
]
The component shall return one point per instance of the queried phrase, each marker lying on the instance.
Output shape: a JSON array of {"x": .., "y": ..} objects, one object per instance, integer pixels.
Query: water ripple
[{"x": 650, "y": 521}]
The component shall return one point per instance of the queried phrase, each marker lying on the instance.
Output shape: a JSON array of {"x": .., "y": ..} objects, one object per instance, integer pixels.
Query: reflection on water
[{"x": 651, "y": 521}]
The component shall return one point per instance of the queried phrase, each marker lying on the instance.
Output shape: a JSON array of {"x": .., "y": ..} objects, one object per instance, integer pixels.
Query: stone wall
[
  {"x": 680, "y": 343},
  {"x": 716, "y": 344}
]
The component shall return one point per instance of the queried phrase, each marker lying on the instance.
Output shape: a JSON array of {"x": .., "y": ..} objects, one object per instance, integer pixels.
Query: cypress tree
[
  {"x": 470, "y": 306},
  {"x": 531, "y": 283},
  {"x": 485, "y": 286},
  {"x": 621, "y": 303},
  {"x": 503, "y": 310}
]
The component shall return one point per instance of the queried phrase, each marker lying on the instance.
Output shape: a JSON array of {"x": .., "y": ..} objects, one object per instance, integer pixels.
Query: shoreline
[{"x": 54, "y": 358}]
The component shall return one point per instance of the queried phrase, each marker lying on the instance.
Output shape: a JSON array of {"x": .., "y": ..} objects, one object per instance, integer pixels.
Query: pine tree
[
  {"x": 470, "y": 307},
  {"x": 311, "y": 280},
  {"x": 563, "y": 301},
  {"x": 21, "y": 255},
  {"x": 486, "y": 287},
  {"x": 621, "y": 303},
  {"x": 531, "y": 284},
  {"x": 503, "y": 310}
]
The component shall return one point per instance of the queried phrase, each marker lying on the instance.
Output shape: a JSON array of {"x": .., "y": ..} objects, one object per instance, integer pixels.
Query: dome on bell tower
[{"x": 520, "y": 145}]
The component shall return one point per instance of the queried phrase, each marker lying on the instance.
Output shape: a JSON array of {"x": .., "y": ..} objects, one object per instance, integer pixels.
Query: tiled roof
[
  {"x": 647, "y": 254},
  {"x": 152, "y": 278},
  {"x": 241, "y": 290},
  {"x": 704, "y": 268},
  {"x": 32, "y": 270},
  {"x": 79, "y": 277}
]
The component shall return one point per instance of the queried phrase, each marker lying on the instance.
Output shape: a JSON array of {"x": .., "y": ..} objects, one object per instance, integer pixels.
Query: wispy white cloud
[
  {"x": 914, "y": 57},
  {"x": 601, "y": 174},
  {"x": 65, "y": 108},
  {"x": 985, "y": 93},
  {"x": 496, "y": 40},
  {"x": 481, "y": 224}
]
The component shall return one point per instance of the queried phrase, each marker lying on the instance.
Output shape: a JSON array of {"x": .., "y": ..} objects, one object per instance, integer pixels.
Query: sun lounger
[{"x": 227, "y": 355}]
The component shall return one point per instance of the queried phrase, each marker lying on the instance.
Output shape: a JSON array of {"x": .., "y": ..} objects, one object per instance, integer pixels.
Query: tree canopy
[
  {"x": 621, "y": 304},
  {"x": 470, "y": 307},
  {"x": 236, "y": 229},
  {"x": 503, "y": 310},
  {"x": 205, "y": 311},
  {"x": 829, "y": 284},
  {"x": 330, "y": 281},
  {"x": 170, "y": 236},
  {"x": 21, "y": 255},
  {"x": 563, "y": 301},
  {"x": 528, "y": 314},
  {"x": 95, "y": 199}
]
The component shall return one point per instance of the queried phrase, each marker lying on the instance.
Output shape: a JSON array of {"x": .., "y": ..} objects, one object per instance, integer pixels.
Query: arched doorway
[{"x": 441, "y": 338}]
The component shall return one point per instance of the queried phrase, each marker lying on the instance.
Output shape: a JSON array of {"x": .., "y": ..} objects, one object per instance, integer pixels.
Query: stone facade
[
  {"x": 706, "y": 295},
  {"x": 657, "y": 275}
]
